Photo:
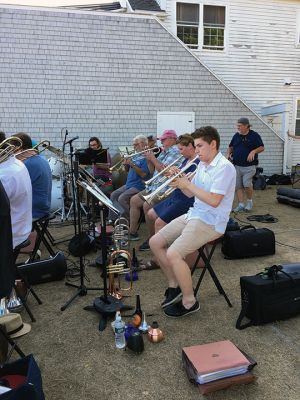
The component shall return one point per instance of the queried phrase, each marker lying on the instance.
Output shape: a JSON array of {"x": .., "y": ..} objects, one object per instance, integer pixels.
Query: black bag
[
  {"x": 277, "y": 179},
  {"x": 31, "y": 388},
  {"x": 80, "y": 245},
  {"x": 270, "y": 296},
  {"x": 52, "y": 269},
  {"x": 248, "y": 242}
]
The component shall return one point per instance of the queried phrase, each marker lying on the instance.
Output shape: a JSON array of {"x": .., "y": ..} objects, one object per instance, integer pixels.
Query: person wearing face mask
[{"x": 243, "y": 150}]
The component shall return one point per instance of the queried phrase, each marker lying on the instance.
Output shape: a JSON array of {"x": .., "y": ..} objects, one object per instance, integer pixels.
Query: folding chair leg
[
  {"x": 23, "y": 301},
  {"x": 12, "y": 343},
  {"x": 207, "y": 266}
]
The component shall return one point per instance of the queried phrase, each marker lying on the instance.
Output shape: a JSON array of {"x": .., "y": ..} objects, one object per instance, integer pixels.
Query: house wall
[
  {"x": 108, "y": 75},
  {"x": 260, "y": 52}
]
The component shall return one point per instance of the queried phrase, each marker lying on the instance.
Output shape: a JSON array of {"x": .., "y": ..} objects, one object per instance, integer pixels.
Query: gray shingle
[{"x": 145, "y": 5}]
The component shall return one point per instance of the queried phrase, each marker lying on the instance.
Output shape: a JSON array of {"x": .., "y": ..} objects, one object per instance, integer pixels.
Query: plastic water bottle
[{"x": 119, "y": 332}]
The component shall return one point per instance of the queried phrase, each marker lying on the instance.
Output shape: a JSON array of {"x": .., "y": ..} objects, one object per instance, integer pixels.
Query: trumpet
[
  {"x": 155, "y": 150},
  {"x": 156, "y": 194},
  {"x": 8, "y": 147},
  {"x": 138, "y": 154},
  {"x": 163, "y": 171},
  {"x": 119, "y": 263}
]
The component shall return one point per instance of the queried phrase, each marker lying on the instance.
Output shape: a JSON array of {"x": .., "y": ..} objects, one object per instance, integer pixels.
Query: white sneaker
[
  {"x": 249, "y": 205},
  {"x": 239, "y": 208}
]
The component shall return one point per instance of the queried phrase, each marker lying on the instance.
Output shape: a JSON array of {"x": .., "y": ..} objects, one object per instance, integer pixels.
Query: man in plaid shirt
[{"x": 169, "y": 154}]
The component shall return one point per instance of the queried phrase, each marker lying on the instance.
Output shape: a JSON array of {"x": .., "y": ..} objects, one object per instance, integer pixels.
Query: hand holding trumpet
[{"x": 182, "y": 182}]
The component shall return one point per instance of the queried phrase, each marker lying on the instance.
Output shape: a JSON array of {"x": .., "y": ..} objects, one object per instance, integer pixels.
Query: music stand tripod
[
  {"x": 81, "y": 288},
  {"x": 106, "y": 305}
]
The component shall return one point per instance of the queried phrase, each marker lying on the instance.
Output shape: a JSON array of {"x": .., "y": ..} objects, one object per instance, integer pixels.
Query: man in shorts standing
[{"x": 243, "y": 149}]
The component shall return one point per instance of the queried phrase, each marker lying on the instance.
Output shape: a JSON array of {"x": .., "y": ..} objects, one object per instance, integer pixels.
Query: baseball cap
[
  {"x": 169, "y": 133},
  {"x": 243, "y": 121}
]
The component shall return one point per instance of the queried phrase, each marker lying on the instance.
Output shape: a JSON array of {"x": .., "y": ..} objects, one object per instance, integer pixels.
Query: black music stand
[
  {"x": 81, "y": 288},
  {"x": 105, "y": 305}
]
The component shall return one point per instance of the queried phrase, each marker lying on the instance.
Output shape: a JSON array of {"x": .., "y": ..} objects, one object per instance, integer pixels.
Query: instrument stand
[
  {"x": 82, "y": 290},
  {"x": 105, "y": 305}
]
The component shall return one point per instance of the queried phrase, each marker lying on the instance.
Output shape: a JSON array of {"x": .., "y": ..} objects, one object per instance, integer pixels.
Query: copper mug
[{"x": 155, "y": 334}]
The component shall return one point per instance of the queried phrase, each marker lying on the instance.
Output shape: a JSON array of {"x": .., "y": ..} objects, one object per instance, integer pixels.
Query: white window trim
[
  {"x": 297, "y": 38},
  {"x": 201, "y": 27},
  {"x": 295, "y": 114}
]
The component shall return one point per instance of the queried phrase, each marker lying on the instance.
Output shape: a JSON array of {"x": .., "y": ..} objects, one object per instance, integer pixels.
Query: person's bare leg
[
  {"x": 149, "y": 221},
  {"x": 182, "y": 275},
  {"x": 159, "y": 224},
  {"x": 240, "y": 195},
  {"x": 158, "y": 245},
  {"x": 136, "y": 203},
  {"x": 249, "y": 192}
]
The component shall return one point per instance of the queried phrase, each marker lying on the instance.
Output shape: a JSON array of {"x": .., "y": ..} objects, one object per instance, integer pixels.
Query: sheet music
[{"x": 99, "y": 195}]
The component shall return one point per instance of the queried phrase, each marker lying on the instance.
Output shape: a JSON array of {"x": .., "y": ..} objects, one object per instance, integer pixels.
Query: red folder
[{"x": 217, "y": 356}]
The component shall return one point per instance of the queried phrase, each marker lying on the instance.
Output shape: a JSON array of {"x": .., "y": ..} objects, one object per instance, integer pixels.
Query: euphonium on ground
[{"x": 119, "y": 264}]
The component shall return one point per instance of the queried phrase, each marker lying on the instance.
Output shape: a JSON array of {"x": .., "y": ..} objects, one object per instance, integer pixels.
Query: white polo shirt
[
  {"x": 217, "y": 177},
  {"x": 16, "y": 182}
]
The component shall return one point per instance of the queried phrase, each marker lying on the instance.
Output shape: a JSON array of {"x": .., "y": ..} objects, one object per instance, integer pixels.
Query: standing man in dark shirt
[{"x": 243, "y": 150}]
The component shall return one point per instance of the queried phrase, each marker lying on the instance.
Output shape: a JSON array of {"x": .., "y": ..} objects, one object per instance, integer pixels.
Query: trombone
[
  {"x": 155, "y": 195},
  {"x": 44, "y": 143},
  {"x": 8, "y": 147},
  {"x": 24, "y": 154}
]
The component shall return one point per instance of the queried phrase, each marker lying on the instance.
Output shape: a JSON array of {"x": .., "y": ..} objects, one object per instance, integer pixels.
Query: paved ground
[{"x": 78, "y": 362}]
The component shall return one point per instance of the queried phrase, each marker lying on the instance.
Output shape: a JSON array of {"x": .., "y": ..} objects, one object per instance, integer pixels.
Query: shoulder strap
[{"x": 242, "y": 315}]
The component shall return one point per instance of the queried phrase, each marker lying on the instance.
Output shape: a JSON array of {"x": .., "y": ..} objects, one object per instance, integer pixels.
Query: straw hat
[{"x": 14, "y": 325}]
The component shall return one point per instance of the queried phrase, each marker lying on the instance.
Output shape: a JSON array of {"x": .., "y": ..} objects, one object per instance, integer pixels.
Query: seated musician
[
  {"x": 138, "y": 171},
  {"x": 169, "y": 154},
  {"x": 40, "y": 176},
  {"x": 177, "y": 203},
  {"x": 100, "y": 169},
  {"x": 213, "y": 188},
  {"x": 16, "y": 182},
  {"x": 152, "y": 144}
]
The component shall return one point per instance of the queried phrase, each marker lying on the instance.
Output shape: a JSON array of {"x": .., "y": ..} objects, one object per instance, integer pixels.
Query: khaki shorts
[
  {"x": 188, "y": 236},
  {"x": 244, "y": 176}
]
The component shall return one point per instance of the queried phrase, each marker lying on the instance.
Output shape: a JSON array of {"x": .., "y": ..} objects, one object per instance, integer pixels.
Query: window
[
  {"x": 297, "y": 125},
  {"x": 188, "y": 24},
  {"x": 298, "y": 29},
  {"x": 213, "y": 27},
  {"x": 207, "y": 32}
]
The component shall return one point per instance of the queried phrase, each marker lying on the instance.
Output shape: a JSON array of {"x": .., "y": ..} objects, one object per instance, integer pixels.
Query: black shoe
[
  {"x": 145, "y": 246},
  {"x": 134, "y": 236},
  {"x": 172, "y": 295},
  {"x": 178, "y": 310}
]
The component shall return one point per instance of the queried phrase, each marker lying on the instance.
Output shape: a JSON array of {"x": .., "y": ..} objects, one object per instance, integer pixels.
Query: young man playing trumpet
[{"x": 213, "y": 187}]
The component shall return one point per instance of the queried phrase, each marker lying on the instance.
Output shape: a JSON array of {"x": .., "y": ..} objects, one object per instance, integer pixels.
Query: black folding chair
[{"x": 206, "y": 257}]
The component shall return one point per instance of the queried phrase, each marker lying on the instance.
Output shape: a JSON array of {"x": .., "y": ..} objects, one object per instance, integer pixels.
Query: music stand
[
  {"x": 106, "y": 305},
  {"x": 81, "y": 288}
]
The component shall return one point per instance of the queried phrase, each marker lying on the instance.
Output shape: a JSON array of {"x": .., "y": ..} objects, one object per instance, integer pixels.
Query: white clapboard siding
[{"x": 260, "y": 53}]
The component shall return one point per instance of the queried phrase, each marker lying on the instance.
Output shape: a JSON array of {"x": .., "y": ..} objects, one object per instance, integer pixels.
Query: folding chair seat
[{"x": 206, "y": 255}]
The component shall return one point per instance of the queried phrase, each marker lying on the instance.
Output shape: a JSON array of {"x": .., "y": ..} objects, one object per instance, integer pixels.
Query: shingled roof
[
  {"x": 97, "y": 7},
  {"x": 145, "y": 5}
]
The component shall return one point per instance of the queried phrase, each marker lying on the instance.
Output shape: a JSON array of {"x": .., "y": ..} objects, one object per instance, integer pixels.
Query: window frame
[
  {"x": 297, "y": 114},
  {"x": 297, "y": 38},
  {"x": 201, "y": 46}
]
